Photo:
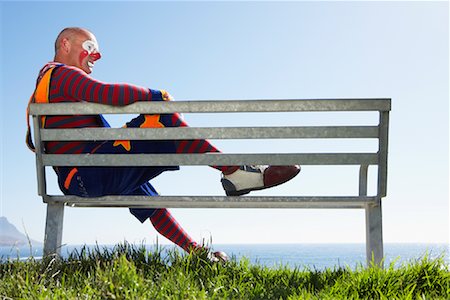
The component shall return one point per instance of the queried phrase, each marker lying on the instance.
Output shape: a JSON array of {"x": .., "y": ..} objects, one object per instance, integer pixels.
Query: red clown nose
[{"x": 95, "y": 56}]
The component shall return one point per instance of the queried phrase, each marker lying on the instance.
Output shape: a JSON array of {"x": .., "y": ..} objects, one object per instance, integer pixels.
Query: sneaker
[{"x": 252, "y": 178}]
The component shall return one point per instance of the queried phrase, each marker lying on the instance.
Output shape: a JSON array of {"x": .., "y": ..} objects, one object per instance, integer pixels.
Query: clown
[{"x": 66, "y": 79}]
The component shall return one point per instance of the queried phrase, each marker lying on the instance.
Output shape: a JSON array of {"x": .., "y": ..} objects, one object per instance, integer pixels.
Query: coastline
[{"x": 317, "y": 256}]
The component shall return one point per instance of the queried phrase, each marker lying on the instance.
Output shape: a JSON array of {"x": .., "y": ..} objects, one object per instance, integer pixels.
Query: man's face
[{"x": 84, "y": 52}]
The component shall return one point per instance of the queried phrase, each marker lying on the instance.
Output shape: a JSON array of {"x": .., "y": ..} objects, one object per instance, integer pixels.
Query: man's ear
[{"x": 65, "y": 45}]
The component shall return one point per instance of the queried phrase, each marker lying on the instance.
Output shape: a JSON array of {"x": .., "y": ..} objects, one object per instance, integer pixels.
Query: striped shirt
[{"x": 70, "y": 84}]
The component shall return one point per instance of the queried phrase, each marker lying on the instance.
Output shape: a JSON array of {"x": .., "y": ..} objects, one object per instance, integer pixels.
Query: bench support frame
[
  {"x": 53, "y": 229},
  {"x": 371, "y": 204}
]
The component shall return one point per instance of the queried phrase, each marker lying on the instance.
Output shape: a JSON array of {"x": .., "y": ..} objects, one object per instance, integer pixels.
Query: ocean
[{"x": 313, "y": 256}]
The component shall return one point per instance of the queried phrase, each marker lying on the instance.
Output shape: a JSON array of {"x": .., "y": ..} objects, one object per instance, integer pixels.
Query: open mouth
[{"x": 90, "y": 64}]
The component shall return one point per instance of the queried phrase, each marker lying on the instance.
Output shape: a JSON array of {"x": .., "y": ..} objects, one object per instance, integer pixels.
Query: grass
[{"x": 131, "y": 272}]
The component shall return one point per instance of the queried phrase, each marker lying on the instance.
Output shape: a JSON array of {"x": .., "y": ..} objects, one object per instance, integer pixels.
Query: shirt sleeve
[{"x": 73, "y": 83}]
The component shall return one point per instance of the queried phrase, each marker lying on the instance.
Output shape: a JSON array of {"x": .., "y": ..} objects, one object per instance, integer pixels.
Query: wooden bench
[{"x": 361, "y": 200}]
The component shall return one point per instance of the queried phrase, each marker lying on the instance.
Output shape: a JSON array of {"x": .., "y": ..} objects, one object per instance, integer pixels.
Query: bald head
[
  {"x": 69, "y": 33},
  {"x": 77, "y": 47}
]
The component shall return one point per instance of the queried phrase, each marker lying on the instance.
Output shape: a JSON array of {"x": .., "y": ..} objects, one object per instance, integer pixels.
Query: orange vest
[{"x": 40, "y": 95}]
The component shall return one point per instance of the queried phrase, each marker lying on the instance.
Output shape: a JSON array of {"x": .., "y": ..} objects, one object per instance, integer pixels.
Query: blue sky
[{"x": 250, "y": 50}]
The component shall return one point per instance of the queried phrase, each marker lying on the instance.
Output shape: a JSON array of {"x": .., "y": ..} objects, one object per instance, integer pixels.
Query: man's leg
[
  {"x": 123, "y": 180},
  {"x": 181, "y": 146},
  {"x": 236, "y": 180},
  {"x": 162, "y": 220},
  {"x": 166, "y": 225}
]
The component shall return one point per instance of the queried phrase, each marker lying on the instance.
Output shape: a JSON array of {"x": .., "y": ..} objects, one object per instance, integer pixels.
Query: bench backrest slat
[
  {"x": 215, "y": 106},
  {"x": 209, "y": 159},
  {"x": 310, "y": 132}
]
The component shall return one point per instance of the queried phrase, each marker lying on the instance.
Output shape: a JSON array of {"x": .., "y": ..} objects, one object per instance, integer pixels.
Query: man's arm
[{"x": 72, "y": 83}]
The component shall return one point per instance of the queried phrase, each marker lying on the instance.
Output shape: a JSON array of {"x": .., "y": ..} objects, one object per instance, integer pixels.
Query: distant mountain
[{"x": 10, "y": 236}]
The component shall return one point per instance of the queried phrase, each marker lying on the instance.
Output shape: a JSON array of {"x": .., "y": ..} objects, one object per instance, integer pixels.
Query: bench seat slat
[
  {"x": 87, "y": 134},
  {"x": 209, "y": 159},
  {"x": 215, "y": 201}
]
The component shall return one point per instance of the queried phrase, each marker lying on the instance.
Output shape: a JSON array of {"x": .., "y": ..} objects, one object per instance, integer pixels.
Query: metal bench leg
[
  {"x": 374, "y": 234},
  {"x": 53, "y": 229}
]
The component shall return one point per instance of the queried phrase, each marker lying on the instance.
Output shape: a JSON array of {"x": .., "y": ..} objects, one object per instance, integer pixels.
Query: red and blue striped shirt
[{"x": 70, "y": 84}]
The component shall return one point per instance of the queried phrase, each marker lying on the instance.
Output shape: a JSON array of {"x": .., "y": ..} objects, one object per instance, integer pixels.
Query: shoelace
[{"x": 254, "y": 168}]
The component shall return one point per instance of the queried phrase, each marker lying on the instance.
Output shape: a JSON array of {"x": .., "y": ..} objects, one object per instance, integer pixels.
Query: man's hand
[{"x": 166, "y": 96}]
